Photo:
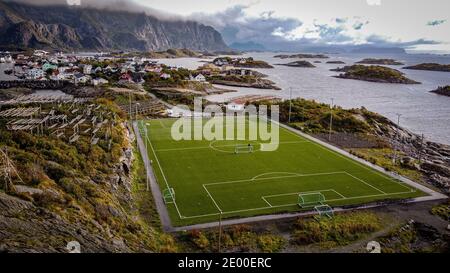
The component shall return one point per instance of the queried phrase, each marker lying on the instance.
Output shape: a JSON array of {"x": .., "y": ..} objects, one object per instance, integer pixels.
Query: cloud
[
  {"x": 436, "y": 22},
  {"x": 237, "y": 26},
  {"x": 373, "y": 2},
  {"x": 115, "y": 5}
]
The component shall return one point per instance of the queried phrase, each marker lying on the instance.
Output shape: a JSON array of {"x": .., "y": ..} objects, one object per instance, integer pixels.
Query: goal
[
  {"x": 309, "y": 200},
  {"x": 243, "y": 149},
  {"x": 169, "y": 196},
  {"x": 324, "y": 211}
]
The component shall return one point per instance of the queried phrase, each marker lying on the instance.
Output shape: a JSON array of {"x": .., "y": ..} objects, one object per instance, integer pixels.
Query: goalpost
[
  {"x": 243, "y": 149},
  {"x": 169, "y": 196},
  {"x": 309, "y": 200},
  {"x": 324, "y": 211}
]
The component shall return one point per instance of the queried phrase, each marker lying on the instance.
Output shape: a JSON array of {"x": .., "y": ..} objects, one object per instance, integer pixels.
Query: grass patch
[{"x": 339, "y": 231}]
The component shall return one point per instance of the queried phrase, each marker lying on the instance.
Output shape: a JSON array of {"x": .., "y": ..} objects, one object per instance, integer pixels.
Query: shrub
[{"x": 270, "y": 243}]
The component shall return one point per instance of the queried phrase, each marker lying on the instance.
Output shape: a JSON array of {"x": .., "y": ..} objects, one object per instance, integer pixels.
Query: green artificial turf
[{"x": 208, "y": 177}]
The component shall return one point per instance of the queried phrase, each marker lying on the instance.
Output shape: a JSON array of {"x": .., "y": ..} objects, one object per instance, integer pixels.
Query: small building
[
  {"x": 99, "y": 81},
  {"x": 165, "y": 76},
  {"x": 48, "y": 66},
  {"x": 81, "y": 79},
  {"x": 200, "y": 78},
  {"x": 87, "y": 69},
  {"x": 35, "y": 74}
]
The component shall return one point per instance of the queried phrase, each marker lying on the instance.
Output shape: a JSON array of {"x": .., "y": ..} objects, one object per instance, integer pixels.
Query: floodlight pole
[
  {"x": 395, "y": 139},
  {"x": 331, "y": 118},
  {"x": 290, "y": 103}
]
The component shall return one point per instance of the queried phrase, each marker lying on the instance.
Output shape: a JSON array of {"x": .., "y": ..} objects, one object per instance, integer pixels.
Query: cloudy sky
[{"x": 416, "y": 24}]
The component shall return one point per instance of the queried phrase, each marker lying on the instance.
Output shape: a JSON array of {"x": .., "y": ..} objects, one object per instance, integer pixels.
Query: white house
[
  {"x": 200, "y": 78},
  {"x": 80, "y": 78},
  {"x": 235, "y": 107},
  {"x": 99, "y": 81},
  {"x": 87, "y": 69},
  {"x": 165, "y": 76},
  {"x": 35, "y": 74}
]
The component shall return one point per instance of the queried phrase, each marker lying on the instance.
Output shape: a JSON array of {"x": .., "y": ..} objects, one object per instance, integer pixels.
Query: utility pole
[
  {"x": 394, "y": 160},
  {"x": 146, "y": 149},
  {"x": 331, "y": 118},
  {"x": 290, "y": 103},
  {"x": 131, "y": 110},
  {"x": 220, "y": 232}
]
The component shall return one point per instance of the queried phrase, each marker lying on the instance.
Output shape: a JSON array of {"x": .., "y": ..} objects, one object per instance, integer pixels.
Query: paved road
[{"x": 156, "y": 191}]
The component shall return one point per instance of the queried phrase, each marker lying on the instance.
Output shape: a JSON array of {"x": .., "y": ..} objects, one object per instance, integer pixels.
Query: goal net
[
  {"x": 308, "y": 200},
  {"x": 243, "y": 149},
  {"x": 169, "y": 195},
  {"x": 324, "y": 211}
]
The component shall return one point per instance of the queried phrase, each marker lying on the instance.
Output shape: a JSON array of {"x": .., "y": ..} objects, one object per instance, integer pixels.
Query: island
[
  {"x": 430, "y": 67},
  {"x": 240, "y": 62},
  {"x": 302, "y": 56},
  {"x": 373, "y": 73},
  {"x": 380, "y": 61},
  {"x": 335, "y": 62},
  {"x": 443, "y": 90},
  {"x": 247, "y": 81},
  {"x": 299, "y": 64}
]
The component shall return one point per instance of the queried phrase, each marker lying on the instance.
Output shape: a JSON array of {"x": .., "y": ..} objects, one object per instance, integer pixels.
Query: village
[{"x": 107, "y": 69}]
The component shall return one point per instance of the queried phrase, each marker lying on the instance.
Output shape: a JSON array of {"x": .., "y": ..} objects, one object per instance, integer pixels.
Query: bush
[
  {"x": 342, "y": 229},
  {"x": 270, "y": 243}
]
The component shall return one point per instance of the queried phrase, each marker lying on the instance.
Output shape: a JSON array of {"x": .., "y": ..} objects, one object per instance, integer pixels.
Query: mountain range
[{"x": 63, "y": 27}]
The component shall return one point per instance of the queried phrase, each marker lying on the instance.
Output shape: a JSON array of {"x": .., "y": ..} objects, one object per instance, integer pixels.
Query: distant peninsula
[
  {"x": 302, "y": 56},
  {"x": 430, "y": 67},
  {"x": 373, "y": 73},
  {"x": 299, "y": 64},
  {"x": 380, "y": 61},
  {"x": 444, "y": 91},
  {"x": 335, "y": 62}
]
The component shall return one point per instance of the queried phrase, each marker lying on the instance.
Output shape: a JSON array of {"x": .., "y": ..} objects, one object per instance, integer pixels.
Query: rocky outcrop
[
  {"x": 75, "y": 28},
  {"x": 304, "y": 64},
  {"x": 433, "y": 158}
]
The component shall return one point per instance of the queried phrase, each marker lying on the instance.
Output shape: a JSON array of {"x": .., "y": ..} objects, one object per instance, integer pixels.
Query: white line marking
[
  {"x": 372, "y": 186},
  {"x": 210, "y": 196},
  {"x": 270, "y": 205},
  {"x": 271, "y": 178}
]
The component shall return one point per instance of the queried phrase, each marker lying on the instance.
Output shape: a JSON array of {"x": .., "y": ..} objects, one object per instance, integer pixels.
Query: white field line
[
  {"x": 268, "y": 203},
  {"x": 372, "y": 186},
  {"x": 298, "y": 193},
  {"x": 271, "y": 178},
  {"x": 290, "y": 205},
  {"x": 261, "y": 175},
  {"x": 219, "y": 146},
  {"x": 214, "y": 201},
  {"x": 162, "y": 124},
  {"x": 350, "y": 160},
  {"x": 162, "y": 172},
  {"x": 303, "y": 192}
]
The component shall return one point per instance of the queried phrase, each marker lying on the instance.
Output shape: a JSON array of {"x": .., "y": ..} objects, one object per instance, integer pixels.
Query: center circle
[{"x": 229, "y": 146}]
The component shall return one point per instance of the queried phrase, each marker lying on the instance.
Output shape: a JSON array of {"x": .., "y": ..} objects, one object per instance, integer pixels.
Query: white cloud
[{"x": 374, "y": 2}]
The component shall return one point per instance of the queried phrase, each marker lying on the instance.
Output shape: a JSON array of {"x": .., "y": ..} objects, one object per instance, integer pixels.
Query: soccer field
[{"x": 208, "y": 177}]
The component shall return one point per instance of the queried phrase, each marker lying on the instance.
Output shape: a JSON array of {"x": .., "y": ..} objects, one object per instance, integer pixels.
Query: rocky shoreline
[
  {"x": 304, "y": 64},
  {"x": 433, "y": 158},
  {"x": 258, "y": 84},
  {"x": 444, "y": 91}
]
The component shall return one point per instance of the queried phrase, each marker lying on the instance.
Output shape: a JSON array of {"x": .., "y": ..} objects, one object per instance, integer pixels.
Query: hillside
[{"x": 77, "y": 28}]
